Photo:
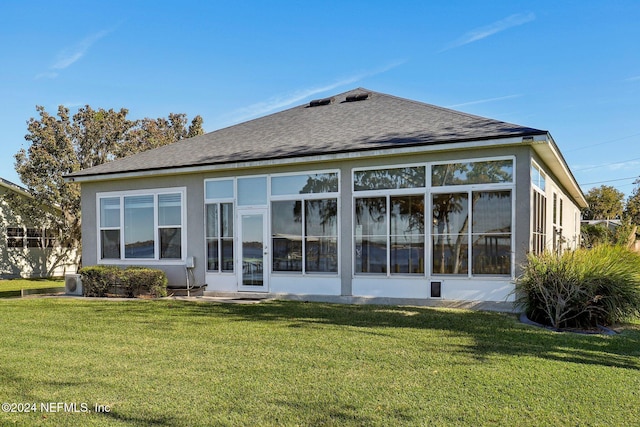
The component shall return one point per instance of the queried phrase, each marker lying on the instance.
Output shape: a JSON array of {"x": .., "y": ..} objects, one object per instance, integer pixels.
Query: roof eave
[
  {"x": 313, "y": 158},
  {"x": 552, "y": 157}
]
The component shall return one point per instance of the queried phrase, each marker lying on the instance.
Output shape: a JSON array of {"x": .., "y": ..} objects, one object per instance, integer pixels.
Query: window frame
[
  {"x": 303, "y": 198},
  {"x": 469, "y": 189},
  {"x": 218, "y": 201},
  {"x": 388, "y": 194},
  {"x": 156, "y": 259}
]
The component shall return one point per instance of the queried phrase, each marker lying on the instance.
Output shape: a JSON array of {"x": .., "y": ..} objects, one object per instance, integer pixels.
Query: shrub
[
  {"x": 97, "y": 280},
  {"x": 581, "y": 288},
  {"x": 141, "y": 280},
  {"x": 102, "y": 280}
]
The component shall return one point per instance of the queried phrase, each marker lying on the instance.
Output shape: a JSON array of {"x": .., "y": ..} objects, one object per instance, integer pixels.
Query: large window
[
  {"x": 304, "y": 222},
  {"x": 141, "y": 225},
  {"x": 472, "y": 212},
  {"x": 389, "y": 220},
  {"x": 480, "y": 220},
  {"x": 219, "y": 230},
  {"x": 219, "y": 224}
]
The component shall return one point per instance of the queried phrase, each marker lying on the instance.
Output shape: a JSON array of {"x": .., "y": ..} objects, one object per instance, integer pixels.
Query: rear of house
[{"x": 358, "y": 196}]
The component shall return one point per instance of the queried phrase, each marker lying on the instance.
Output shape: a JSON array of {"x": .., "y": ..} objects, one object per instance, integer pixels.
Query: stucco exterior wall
[{"x": 344, "y": 283}]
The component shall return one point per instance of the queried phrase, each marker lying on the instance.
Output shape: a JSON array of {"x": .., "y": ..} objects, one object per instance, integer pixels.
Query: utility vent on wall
[
  {"x": 319, "y": 102},
  {"x": 357, "y": 97}
]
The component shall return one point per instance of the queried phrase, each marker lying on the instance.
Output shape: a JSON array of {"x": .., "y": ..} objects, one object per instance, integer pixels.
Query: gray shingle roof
[{"x": 380, "y": 121}]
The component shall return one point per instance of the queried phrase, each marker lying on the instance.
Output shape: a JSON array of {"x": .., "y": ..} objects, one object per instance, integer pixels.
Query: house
[
  {"x": 25, "y": 250},
  {"x": 361, "y": 195}
]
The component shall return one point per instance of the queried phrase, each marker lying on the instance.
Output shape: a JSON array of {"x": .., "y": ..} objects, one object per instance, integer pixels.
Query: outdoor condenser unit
[{"x": 72, "y": 284}]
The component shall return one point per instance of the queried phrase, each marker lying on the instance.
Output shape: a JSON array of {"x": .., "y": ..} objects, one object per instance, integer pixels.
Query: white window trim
[
  {"x": 542, "y": 173},
  {"x": 304, "y": 197},
  {"x": 428, "y": 191},
  {"x": 156, "y": 260},
  {"x": 270, "y": 198}
]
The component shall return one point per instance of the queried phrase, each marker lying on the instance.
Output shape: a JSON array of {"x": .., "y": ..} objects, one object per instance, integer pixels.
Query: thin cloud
[
  {"x": 632, "y": 79},
  {"x": 491, "y": 29},
  {"x": 275, "y": 103},
  {"x": 71, "y": 55},
  {"x": 482, "y": 101}
]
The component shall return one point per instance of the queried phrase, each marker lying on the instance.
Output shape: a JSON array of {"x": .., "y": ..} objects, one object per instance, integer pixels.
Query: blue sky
[{"x": 569, "y": 67}]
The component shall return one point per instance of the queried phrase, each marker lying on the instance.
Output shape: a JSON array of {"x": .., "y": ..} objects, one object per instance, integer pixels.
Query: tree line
[{"x": 63, "y": 143}]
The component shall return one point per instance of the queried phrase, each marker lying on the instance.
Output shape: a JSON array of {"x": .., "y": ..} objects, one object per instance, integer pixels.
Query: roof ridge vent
[
  {"x": 357, "y": 97},
  {"x": 319, "y": 102}
]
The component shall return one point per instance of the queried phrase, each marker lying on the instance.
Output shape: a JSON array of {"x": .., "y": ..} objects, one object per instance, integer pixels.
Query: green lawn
[
  {"x": 18, "y": 284},
  {"x": 173, "y": 363}
]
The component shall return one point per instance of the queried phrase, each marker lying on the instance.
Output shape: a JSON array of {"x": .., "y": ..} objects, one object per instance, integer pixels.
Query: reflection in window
[
  {"x": 488, "y": 172},
  {"x": 491, "y": 230},
  {"x": 110, "y": 228},
  {"x": 388, "y": 179},
  {"x": 538, "y": 177},
  {"x": 321, "y": 235},
  {"x": 304, "y": 183},
  {"x": 450, "y": 233},
  {"x": 141, "y": 223},
  {"x": 169, "y": 223},
  {"x": 490, "y": 233},
  {"x": 406, "y": 246},
  {"x": 403, "y": 242},
  {"x": 312, "y": 248},
  {"x": 219, "y": 236},
  {"x": 371, "y": 235},
  {"x": 138, "y": 227},
  {"x": 286, "y": 226}
]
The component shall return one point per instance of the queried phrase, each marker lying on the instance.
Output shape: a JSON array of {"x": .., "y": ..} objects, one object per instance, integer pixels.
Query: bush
[
  {"x": 97, "y": 280},
  {"x": 581, "y": 288},
  {"x": 103, "y": 280},
  {"x": 141, "y": 280}
]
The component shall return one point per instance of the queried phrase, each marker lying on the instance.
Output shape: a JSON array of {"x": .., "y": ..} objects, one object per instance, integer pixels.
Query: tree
[
  {"x": 605, "y": 202},
  {"x": 632, "y": 208},
  {"x": 63, "y": 144}
]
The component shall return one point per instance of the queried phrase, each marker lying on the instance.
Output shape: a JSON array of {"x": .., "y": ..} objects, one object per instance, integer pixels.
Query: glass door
[{"x": 254, "y": 250}]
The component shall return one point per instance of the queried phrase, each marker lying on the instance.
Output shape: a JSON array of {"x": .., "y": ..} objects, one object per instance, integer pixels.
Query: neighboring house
[
  {"x": 27, "y": 251},
  {"x": 359, "y": 195}
]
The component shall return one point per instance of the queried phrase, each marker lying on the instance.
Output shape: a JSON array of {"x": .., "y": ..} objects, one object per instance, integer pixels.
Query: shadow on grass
[{"x": 491, "y": 333}]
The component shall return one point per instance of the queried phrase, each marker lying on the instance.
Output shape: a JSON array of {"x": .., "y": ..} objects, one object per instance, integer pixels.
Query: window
[
  {"x": 15, "y": 237},
  {"x": 219, "y": 225},
  {"x": 252, "y": 191},
  {"x": 558, "y": 239},
  {"x": 538, "y": 178},
  {"x": 219, "y": 236},
  {"x": 33, "y": 238},
  {"x": 304, "y": 223},
  {"x": 488, "y": 235},
  {"x": 472, "y": 210},
  {"x": 141, "y": 225},
  {"x": 389, "y": 220},
  {"x": 388, "y": 179},
  {"x": 476, "y": 172},
  {"x": 450, "y": 253},
  {"x": 539, "y": 222},
  {"x": 389, "y": 234}
]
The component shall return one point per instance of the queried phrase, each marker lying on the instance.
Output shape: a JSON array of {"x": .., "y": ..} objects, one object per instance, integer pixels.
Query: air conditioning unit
[{"x": 72, "y": 284}]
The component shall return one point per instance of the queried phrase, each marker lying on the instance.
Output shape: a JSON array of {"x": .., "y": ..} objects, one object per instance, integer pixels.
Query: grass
[
  {"x": 18, "y": 284},
  {"x": 176, "y": 363}
]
